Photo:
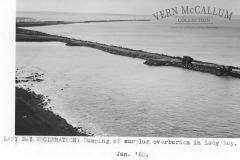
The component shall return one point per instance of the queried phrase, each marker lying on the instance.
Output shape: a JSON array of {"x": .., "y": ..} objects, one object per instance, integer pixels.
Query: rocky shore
[
  {"x": 31, "y": 118},
  {"x": 218, "y": 70},
  {"x": 34, "y": 114}
]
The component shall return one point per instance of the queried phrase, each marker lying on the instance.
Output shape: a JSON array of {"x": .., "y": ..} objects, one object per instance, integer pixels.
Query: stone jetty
[
  {"x": 152, "y": 59},
  {"x": 218, "y": 70}
]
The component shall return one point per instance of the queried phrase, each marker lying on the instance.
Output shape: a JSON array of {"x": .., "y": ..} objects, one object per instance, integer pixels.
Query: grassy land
[{"x": 25, "y": 35}]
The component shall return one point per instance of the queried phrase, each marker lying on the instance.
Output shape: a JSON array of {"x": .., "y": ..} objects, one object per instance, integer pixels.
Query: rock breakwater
[
  {"x": 153, "y": 59},
  {"x": 218, "y": 70}
]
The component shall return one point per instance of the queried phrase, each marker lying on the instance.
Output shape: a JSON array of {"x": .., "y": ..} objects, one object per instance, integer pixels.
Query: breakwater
[
  {"x": 215, "y": 69},
  {"x": 153, "y": 59},
  {"x": 119, "y": 50}
]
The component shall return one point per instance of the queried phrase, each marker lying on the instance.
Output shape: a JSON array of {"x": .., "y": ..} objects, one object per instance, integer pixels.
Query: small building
[
  {"x": 234, "y": 69},
  {"x": 228, "y": 68},
  {"x": 25, "y": 19},
  {"x": 187, "y": 59}
]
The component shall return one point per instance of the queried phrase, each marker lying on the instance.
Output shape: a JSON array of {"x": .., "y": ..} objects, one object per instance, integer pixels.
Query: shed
[{"x": 187, "y": 59}]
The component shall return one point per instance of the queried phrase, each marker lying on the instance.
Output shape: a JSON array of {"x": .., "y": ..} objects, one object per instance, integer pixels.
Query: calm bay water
[
  {"x": 211, "y": 45},
  {"x": 112, "y": 95}
]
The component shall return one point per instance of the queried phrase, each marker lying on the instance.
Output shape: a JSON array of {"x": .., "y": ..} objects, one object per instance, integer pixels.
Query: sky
[{"x": 142, "y": 7}]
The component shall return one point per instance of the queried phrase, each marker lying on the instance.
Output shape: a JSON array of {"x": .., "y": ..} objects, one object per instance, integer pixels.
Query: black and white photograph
[{"x": 127, "y": 68}]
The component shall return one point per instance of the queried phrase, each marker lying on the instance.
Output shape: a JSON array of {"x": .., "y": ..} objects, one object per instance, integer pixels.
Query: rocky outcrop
[{"x": 200, "y": 67}]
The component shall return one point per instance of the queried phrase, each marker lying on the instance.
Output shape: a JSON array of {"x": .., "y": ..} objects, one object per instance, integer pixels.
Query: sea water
[
  {"x": 112, "y": 95},
  {"x": 217, "y": 42}
]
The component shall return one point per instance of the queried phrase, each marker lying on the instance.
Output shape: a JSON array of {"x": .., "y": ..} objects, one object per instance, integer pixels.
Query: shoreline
[
  {"x": 34, "y": 113},
  {"x": 31, "y": 118},
  {"x": 48, "y": 23},
  {"x": 152, "y": 59}
]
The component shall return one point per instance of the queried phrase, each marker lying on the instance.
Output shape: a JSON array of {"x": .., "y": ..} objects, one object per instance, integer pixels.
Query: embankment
[
  {"x": 153, "y": 59},
  {"x": 196, "y": 66}
]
